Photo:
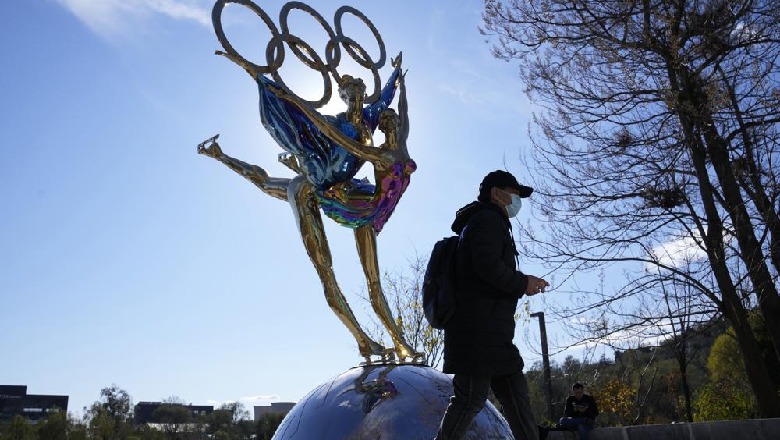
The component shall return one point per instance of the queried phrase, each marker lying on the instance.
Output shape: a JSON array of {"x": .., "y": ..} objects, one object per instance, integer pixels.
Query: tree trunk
[
  {"x": 749, "y": 246},
  {"x": 749, "y": 177},
  {"x": 755, "y": 367},
  {"x": 681, "y": 344},
  {"x": 731, "y": 306}
]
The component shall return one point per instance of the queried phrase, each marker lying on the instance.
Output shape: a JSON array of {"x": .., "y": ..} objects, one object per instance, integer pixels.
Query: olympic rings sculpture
[{"x": 275, "y": 50}]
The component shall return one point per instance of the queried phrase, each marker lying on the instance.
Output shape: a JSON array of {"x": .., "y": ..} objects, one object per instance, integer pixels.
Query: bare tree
[
  {"x": 682, "y": 325},
  {"x": 659, "y": 127},
  {"x": 671, "y": 314}
]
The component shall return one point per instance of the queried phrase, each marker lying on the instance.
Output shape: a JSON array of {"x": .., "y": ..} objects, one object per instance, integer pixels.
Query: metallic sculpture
[
  {"x": 383, "y": 401},
  {"x": 327, "y": 151}
]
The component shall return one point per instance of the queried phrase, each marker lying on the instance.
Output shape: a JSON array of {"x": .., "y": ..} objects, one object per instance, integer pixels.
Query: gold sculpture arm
[
  {"x": 241, "y": 62},
  {"x": 290, "y": 161},
  {"x": 369, "y": 153},
  {"x": 403, "y": 113}
]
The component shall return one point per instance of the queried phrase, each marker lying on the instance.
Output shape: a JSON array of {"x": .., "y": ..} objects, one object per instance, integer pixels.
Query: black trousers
[{"x": 471, "y": 393}]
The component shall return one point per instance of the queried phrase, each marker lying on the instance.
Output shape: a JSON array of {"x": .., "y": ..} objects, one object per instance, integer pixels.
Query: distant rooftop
[
  {"x": 14, "y": 401},
  {"x": 274, "y": 408}
]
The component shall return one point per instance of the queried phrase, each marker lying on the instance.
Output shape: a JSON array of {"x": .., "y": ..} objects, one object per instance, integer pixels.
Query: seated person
[{"x": 580, "y": 412}]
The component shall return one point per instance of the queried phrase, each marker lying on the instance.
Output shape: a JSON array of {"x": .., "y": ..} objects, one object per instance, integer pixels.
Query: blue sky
[{"x": 128, "y": 259}]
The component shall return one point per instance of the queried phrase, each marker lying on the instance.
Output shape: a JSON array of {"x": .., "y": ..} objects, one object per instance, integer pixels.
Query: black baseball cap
[{"x": 502, "y": 179}]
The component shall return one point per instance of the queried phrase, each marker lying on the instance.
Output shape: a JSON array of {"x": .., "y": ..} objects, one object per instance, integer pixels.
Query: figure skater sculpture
[{"x": 326, "y": 152}]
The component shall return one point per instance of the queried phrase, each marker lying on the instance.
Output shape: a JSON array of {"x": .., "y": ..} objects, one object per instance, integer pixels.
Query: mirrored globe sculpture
[{"x": 403, "y": 402}]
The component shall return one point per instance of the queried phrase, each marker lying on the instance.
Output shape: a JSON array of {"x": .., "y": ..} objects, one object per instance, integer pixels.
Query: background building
[
  {"x": 144, "y": 411},
  {"x": 274, "y": 408},
  {"x": 14, "y": 401}
]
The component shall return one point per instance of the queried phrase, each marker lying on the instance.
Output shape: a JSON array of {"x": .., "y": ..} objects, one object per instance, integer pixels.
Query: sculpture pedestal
[{"x": 404, "y": 402}]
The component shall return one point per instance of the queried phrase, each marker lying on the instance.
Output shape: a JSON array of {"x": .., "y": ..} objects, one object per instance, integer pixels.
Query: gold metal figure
[{"x": 392, "y": 166}]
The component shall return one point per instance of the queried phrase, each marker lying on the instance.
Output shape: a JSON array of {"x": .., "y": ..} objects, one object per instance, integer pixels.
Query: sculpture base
[{"x": 404, "y": 402}]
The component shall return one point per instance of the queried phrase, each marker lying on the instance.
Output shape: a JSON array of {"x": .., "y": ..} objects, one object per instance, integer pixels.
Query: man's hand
[{"x": 535, "y": 285}]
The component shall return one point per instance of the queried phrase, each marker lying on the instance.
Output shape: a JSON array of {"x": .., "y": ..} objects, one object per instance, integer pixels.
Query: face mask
[{"x": 513, "y": 208}]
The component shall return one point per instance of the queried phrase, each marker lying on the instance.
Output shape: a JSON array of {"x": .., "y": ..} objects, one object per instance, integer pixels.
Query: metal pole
[{"x": 546, "y": 363}]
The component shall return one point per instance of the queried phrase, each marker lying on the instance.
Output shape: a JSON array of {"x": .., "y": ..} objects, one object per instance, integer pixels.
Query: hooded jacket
[{"x": 478, "y": 339}]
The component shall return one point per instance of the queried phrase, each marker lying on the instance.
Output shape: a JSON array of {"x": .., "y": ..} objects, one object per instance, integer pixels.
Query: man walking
[{"x": 478, "y": 346}]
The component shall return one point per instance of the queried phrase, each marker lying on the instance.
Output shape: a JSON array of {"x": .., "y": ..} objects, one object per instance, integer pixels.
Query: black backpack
[{"x": 438, "y": 290}]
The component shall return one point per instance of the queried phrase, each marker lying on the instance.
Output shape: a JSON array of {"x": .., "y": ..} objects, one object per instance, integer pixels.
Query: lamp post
[{"x": 546, "y": 363}]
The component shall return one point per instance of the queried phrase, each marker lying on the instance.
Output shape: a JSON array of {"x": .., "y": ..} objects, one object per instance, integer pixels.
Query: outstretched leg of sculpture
[
  {"x": 273, "y": 186},
  {"x": 300, "y": 194},
  {"x": 307, "y": 211},
  {"x": 365, "y": 238}
]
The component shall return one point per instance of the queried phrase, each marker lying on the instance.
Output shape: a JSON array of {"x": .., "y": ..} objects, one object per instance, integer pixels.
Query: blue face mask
[{"x": 513, "y": 208}]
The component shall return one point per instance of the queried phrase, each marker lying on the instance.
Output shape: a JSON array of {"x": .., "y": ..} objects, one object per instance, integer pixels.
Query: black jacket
[
  {"x": 479, "y": 337},
  {"x": 588, "y": 401}
]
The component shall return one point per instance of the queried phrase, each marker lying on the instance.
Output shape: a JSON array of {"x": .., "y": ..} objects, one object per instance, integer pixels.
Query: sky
[{"x": 129, "y": 259}]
